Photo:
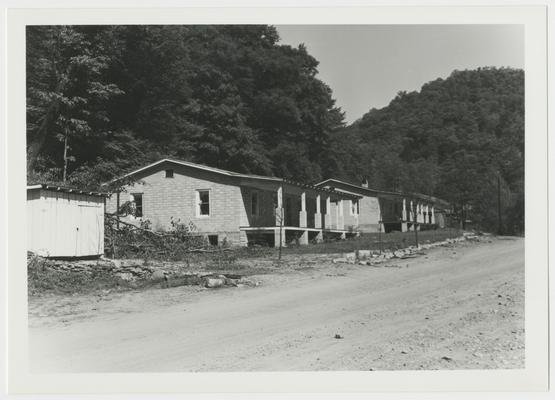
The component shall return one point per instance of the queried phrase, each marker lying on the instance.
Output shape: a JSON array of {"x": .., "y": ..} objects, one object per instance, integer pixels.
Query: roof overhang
[
  {"x": 383, "y": 193},
  {"x": 241, "y": 176},
  {"x": 65, "y": 189}
]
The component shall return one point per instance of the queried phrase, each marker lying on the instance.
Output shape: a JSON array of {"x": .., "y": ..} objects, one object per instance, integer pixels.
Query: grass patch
[
  {"x": 43, "y": 279},
  {"x": 374, "y": 241}
]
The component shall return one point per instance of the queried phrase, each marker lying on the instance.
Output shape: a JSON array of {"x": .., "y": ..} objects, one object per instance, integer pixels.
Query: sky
[{"x": 367, "y": 65}]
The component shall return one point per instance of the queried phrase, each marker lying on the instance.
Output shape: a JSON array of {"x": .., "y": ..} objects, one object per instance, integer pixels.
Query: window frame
[
  {"x": 134, "y": 201},
  {"x": 198, "y": 203},
  {"x": 171, "y": 173},
  {"x": 353, "y": 210}
]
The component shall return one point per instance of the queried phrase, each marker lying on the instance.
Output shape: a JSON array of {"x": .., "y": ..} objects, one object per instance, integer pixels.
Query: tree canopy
[
  {"x": 226, "y": 96},
  {"x": 453, "y": 139},
  {"x": 102, "y": 100}
]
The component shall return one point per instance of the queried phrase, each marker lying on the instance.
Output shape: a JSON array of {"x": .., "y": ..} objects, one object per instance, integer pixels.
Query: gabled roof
[
  {"x": 376, "y": 192},
  {"x": 64, "y": 189},
  {"x": 358, "y": 188},
  {"x": 200, "y": 167},
  {"x": 230, "y": 174}
]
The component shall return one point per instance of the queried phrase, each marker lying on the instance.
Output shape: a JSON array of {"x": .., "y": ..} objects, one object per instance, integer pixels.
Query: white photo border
[{"x": 533, "y": 377}]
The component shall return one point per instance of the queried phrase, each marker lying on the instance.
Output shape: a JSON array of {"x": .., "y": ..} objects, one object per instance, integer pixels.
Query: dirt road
[{"x": 457, "y": 307}]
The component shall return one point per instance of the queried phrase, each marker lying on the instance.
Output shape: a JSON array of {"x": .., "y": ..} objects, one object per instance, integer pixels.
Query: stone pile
[
  {"x": 372, "y": 257},
  {"x": 173, "y": 274},
  {"x": 125, "y": 269}
]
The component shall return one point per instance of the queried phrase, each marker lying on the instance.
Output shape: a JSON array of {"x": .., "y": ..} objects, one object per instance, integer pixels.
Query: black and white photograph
[{"x": 269, "y": 197}]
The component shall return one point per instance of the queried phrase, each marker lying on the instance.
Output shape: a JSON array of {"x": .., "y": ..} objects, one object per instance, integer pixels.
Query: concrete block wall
[
  {"x": 369, "y": 214},
  {"x": 167, "y": 198}
]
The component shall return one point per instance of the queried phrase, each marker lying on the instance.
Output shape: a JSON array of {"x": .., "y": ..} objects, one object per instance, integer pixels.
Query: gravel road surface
[{"x": 457, "y": 307}]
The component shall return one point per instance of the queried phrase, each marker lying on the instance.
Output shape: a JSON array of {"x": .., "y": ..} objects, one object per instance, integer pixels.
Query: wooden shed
[{"x": 65, "y": 222}]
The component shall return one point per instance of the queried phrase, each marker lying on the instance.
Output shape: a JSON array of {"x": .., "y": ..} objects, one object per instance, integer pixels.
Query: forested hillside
[
  {"x": 123, "y": 96},
  {"x": 453, "y": 140},
  {"x": 102, "y": 100}
]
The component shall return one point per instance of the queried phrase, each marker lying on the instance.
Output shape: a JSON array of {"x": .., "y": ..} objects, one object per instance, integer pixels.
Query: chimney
[{"x": 365, "y": 184}]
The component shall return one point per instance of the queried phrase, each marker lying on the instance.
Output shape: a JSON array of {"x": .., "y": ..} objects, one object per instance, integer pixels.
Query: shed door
[{"x": 88, "y": 235}]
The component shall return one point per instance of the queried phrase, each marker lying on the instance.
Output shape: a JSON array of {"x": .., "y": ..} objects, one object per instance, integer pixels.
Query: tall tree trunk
[
  {"x": 65, "y": 156},
  {"x": 34, "y": 148}
]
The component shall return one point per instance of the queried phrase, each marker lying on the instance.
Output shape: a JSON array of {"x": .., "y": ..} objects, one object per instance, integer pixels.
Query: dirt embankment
[{"x": 460, "y": 306}]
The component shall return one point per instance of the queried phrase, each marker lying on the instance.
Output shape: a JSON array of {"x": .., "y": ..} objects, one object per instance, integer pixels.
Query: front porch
[{"x": 287, "y": 212}]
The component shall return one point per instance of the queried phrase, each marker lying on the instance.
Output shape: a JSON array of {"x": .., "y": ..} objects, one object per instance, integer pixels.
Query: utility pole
[
  {"x": 380, "y": 223},
  {"x": 499, "y": 226},
  {"x": 415, "y": 218}
]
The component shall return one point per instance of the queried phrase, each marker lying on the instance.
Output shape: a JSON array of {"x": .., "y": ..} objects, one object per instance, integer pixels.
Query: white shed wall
[{"x": 63, "y": 224}]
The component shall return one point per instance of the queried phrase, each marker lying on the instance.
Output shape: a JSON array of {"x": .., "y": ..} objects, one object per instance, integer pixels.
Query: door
[{"x": 89, "y": 233}]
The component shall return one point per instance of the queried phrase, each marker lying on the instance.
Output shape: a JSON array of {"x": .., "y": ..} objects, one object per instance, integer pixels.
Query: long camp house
[
  {"x": 234, "y": 207},
  {"x": 393, "y": 211}
]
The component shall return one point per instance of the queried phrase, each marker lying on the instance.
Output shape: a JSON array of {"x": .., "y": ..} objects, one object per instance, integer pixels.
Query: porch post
[
  {"x": 340, "y": 218},
  {"x": 433, "y": 216},
  {"x": 327, "y": 216},
  {"x": 279, "y": 207},
  {"x": 318, "y": 214},
  {"x": 302, "y": 213}
]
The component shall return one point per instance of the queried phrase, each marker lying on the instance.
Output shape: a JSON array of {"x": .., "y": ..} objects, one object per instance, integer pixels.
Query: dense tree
[
  {"x": 102, "y": 100},
  {"x": 66, "y": 93},
  {"x": 453, "y": 139}
]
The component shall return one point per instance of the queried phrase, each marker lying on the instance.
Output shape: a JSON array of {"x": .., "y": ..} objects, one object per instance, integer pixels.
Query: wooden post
[
  {"x": 416, "y": 226},
  {"x": 117, "y": 210},
  {"x": 499, "y": 226},
  {"x": 380, "y": 224},
  {"x": 279, "y": 215}
]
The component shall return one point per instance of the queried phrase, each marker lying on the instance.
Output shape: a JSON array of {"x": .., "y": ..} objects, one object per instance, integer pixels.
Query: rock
[
  {"x": 158, "y": 275},
  {"x": 214, "y": 282},
  {"x": 132, "y": 263},
  {"x": 340, "y": 261},
  {"x": 364, "y": 253},
  {"x": 231, "y": 282},
  {"x": 126, "y": 276}
]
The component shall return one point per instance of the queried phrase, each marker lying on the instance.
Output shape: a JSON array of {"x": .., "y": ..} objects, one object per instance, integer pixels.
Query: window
[
  {"x": 203, "y": 203},
  {"x": 354, "y": 207},
  {"x": 254, "y": 203},
  {"x": 169, "y": 173},
  {"x": 213, "y": 240},
  {"x": 137, "y": 199}
]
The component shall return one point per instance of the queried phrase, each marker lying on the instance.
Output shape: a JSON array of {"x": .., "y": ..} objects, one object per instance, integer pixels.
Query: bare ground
[{"x": 457, "y": 307}]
